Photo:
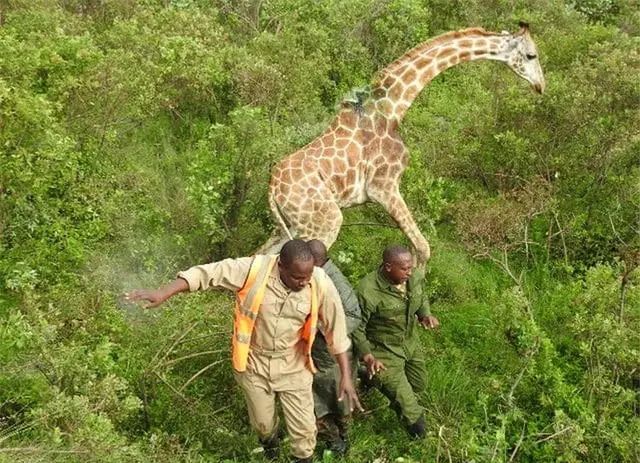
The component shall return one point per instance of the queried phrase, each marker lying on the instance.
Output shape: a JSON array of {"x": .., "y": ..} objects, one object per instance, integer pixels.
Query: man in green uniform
[
  {"x": 332, "y": 416},
  {"x": 393, "y": 303}
]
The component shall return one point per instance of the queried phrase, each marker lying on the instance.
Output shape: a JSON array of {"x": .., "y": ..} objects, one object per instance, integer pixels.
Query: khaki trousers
[{"x": 286, "y": 378}]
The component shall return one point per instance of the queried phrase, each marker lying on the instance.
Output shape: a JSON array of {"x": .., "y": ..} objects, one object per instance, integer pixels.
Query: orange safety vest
[{"x": 248, "y": 301}]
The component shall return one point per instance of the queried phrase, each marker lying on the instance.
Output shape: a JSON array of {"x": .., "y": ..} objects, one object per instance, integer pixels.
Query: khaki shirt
[{"x": 283, "y": 311}]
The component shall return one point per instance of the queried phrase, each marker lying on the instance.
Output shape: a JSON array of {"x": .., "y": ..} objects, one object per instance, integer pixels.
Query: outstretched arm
[
  {"x": 229, "y": 274},
  {"x": 155, "y": 297}
]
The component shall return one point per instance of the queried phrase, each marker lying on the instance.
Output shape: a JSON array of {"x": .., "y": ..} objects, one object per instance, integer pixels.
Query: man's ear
[{"x": 386, "y": 266}]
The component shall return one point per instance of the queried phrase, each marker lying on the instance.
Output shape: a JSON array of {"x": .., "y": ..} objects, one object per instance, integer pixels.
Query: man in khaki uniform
[{"x": 278, "y": 362}]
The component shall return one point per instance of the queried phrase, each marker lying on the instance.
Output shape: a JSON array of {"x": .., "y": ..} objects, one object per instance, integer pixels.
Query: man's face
[
  {"x": 297, "y": 275},
  {"x": 399, "y": 269}
]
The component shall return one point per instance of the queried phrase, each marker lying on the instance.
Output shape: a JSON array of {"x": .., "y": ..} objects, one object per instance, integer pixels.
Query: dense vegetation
[{"x": 136, "y": 138}]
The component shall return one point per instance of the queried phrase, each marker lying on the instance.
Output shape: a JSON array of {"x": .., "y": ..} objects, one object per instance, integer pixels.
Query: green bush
[{"x": 137, "y": 137}]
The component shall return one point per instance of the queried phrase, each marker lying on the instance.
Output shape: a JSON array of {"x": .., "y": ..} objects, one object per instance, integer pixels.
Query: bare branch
[
  {"x": 40, "y": 450},
  {"x": 176, "y": 342},
  {"x": 554, "y": 435},
  {"x": 196, "y": 354},
  {"x": 513, "y": 454},
  {"x": 199, "y": 373},
  {"x": 369, "y": 224}
]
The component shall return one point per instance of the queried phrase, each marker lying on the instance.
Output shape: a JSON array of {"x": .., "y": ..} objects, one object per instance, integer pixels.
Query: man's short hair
[
  {"x": 318, "y": 250},
  {"x": 294, "y": 250},
  {"x": 391, "y": 252}
]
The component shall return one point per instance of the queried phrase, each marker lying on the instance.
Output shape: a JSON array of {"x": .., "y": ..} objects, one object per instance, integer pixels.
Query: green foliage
[
  {"x": 228, "y": 178},
  {"x": 137, "y": 137}
]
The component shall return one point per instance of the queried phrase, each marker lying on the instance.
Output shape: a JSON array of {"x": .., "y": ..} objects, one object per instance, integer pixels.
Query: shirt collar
[{"x": 383, "y": 282}]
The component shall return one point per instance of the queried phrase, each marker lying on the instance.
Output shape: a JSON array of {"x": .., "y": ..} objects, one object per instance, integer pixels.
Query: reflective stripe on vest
[
  {"x": 248, "y": 301},
  {"x": 310, "y": 325}
]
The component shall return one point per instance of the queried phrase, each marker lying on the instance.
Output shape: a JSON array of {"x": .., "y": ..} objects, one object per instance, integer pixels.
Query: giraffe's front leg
[{"x": 393, "y": 202}]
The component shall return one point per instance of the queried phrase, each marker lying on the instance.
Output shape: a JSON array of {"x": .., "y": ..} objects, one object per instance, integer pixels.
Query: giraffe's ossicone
[{"x": 361, "y": 156}]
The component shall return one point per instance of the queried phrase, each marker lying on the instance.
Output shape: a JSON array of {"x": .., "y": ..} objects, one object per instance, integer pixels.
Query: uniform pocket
[
  {"x": 391, "y": 310},
  {"x": 303, "y": 308}
]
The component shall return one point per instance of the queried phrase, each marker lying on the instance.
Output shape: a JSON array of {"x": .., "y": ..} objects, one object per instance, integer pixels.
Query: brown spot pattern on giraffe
[
  {"x": 379, "y": 93},
  {"x": 396, "y": 91},
  {"x": 353, "y": 156},
  {"x": 340, "y": 167},
  {"x": 286, "y": 177},
  {"x": 381, "y": 172},
  {"x": 342, "y": 132},
  {"x": 423, "y": 62},
  {"x": 348, "y": 118},
  {"x": 365, "y": 124},
  {"x": 381, "y": 126},
  {"x": 341, "y": 143},
  {"x": 446, "y": 52},
  {"x": 351, "y": 177},
  {"x": 411, "y": 92},
  {"x": 395, "y": 169},
  {"x": 409, "y": 76}
]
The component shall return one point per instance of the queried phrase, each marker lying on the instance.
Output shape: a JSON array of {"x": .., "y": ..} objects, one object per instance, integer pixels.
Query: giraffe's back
[{"x": 333, "y": 160}]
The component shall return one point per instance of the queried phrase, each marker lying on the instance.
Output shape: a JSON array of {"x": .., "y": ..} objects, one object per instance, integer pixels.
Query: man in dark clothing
[
  {"x": 331, "y": 415},
  {"x": 393, "y": 303}
]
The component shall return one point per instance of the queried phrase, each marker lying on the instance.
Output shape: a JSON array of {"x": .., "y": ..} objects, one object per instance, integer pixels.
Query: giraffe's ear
[{"x": 524, "y": 27}]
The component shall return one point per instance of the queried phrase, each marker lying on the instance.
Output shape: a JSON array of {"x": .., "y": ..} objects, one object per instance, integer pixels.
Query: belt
[{"x": 273, "y": 353}]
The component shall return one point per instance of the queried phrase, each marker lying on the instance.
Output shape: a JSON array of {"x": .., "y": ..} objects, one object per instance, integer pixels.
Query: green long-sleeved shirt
[
  {"x": 388, "y": 316},
  {"x": 321, "y": 356}
]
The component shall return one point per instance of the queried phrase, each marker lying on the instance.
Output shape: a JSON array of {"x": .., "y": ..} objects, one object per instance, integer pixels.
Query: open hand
[
  {"x": 429, "y": 322},
  {"x": 148, "y": 297},
  {"x": 373, "y": 365},
  {"x": 348, "y": 392}
]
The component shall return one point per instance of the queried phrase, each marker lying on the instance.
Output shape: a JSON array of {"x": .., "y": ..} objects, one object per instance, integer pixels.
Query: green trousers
[{"x": 402, "y": 381}]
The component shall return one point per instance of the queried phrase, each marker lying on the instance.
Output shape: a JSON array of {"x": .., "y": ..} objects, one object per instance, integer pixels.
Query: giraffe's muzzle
[{"x": 539, "y": 87}]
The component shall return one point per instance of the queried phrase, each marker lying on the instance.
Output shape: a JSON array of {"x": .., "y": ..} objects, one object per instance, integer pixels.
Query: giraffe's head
[{"x": 521, "y": 55}]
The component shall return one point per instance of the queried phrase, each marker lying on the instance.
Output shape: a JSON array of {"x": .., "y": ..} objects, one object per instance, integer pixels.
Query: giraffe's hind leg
[
  {"x": 316, "y": 215},
  {"x": 325, "y": 223}
]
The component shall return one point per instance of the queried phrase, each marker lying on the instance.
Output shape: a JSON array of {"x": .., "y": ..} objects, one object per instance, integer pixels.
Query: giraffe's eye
[{"x": 530, "y": 56}]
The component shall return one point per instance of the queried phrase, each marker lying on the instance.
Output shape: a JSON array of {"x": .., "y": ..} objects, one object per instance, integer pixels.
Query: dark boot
[
  {"x": 338, "y": 446},
  {"x": 417, "y": 430},
  {"x": 343, "y": 428},
  {"x": 395, "y": 406},
  {"x": 329, "y": 434},
  {"x": 271, "y": 446}
]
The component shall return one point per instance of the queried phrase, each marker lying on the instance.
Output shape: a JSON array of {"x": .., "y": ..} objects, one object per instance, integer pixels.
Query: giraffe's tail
[{"x": 277, "y": 213}]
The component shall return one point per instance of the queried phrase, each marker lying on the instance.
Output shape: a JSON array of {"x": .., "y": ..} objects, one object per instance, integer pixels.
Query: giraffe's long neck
[{"x": 398, "y": 85}]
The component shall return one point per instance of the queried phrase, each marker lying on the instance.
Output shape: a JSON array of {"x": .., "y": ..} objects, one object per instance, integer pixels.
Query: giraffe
[{"x": 360, "y": 157}]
